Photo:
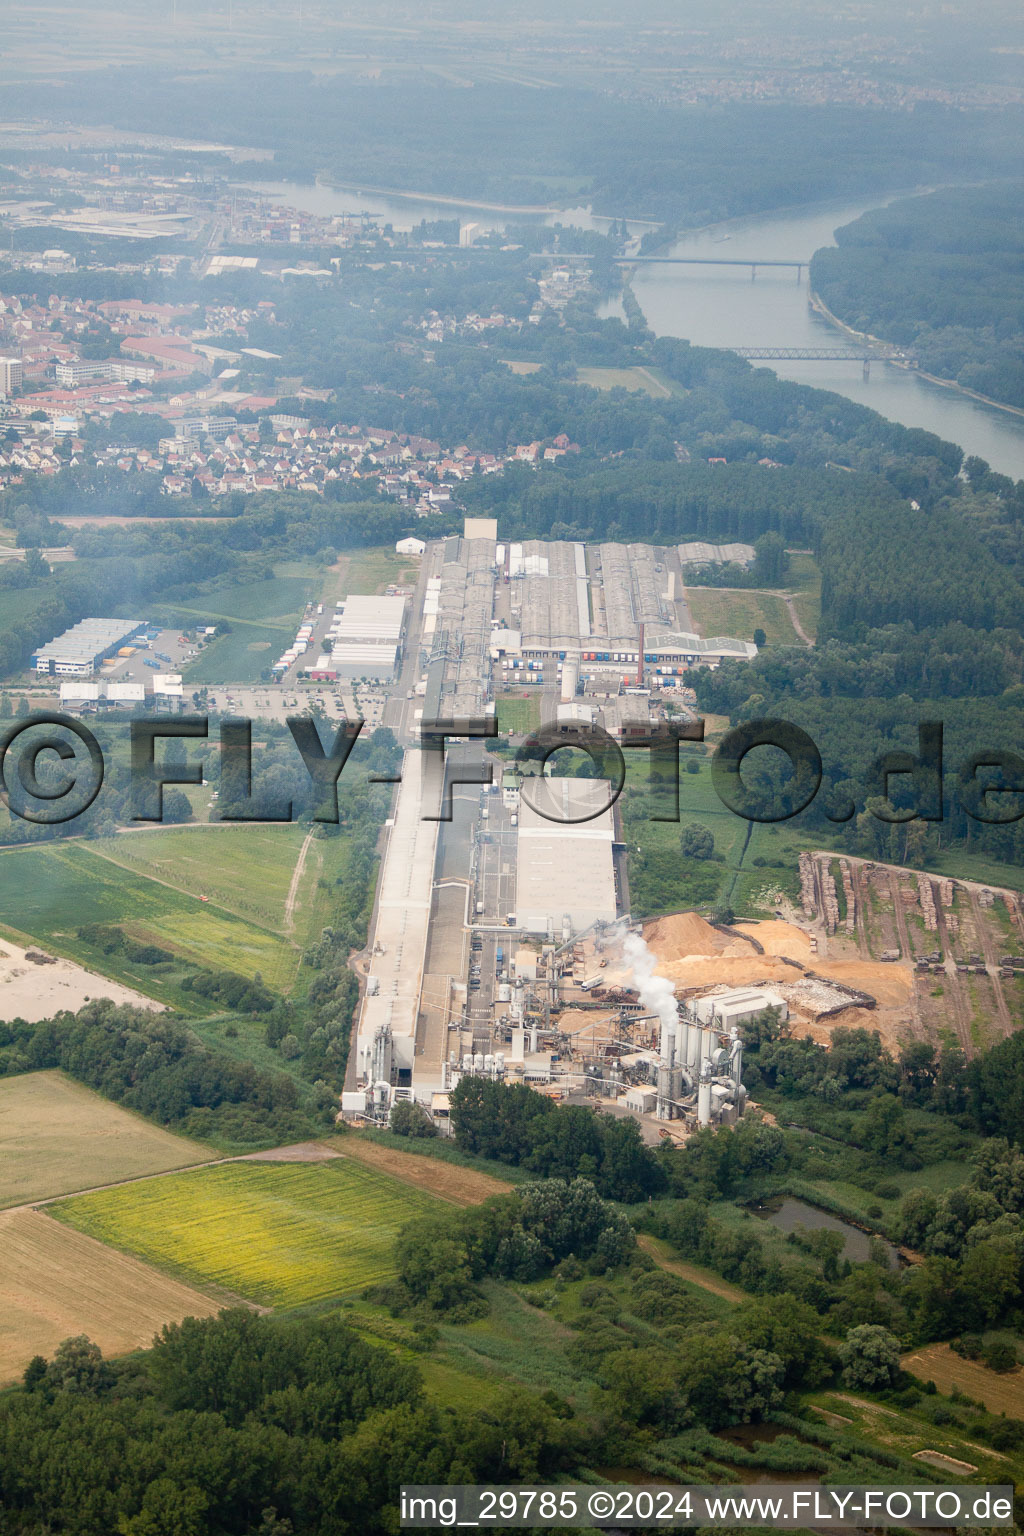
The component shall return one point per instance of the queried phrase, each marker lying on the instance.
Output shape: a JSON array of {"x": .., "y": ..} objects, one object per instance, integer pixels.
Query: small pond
[{"x": 789, "y": 1213}]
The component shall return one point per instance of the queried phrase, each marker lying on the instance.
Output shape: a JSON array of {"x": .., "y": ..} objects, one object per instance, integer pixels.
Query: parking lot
[
  {"x": 168, "y": 652},
  {"x": 275, "y": 701}
]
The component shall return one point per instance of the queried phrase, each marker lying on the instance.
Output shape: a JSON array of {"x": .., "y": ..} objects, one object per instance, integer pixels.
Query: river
[
  {"x": 403, "y": 212},
  {"x": 722, "y": 307}
]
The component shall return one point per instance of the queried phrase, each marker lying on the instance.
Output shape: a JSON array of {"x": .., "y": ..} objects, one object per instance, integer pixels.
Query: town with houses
[
  {"x": 224, "y": 439},
  {"x": 70, "y": 364}
]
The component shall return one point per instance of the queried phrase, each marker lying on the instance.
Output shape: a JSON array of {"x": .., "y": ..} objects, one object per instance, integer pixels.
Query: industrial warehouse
[
  {"x": 360, "y": 638},
  {"x": 81, "y": 650}
]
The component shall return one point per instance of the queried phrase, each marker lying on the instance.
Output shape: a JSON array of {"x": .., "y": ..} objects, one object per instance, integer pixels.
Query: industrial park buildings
[{"x": 80, "y": 651}]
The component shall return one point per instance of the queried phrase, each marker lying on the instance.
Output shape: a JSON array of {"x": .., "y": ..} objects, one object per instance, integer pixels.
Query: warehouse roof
[
  {"x": 564, "y": 865},
  {"x": 698, "y": 553},
  {"x": 375, "y": 620},
  {"x": 88, "y": 639}
]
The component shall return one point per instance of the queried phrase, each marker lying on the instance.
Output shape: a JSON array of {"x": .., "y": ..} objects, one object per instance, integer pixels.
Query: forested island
[{"x": 939, "y": 276}]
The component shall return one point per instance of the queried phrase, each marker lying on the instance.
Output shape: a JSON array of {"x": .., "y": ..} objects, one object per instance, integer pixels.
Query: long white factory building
[{"x": 391, "y": 1001}]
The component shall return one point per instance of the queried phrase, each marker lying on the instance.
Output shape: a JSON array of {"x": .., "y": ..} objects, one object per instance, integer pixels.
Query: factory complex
[{"x": 502, "y": 943}]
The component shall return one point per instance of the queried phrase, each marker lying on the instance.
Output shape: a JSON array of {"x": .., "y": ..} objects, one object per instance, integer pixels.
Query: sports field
[
  {"x": 278, "y": 1233},
  {"x": 649, "y": 381},
  {"x": 57, "y": 1136},
  {"x": 48, "y": 893},
  {"x": 518, "y": 715},
  {"x": 56, "y": 1283}
]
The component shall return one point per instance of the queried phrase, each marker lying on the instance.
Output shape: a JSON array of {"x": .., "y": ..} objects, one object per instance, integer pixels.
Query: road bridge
[
  {"x": 753, "y": 262},
  {"x": 864, "y": 355}
]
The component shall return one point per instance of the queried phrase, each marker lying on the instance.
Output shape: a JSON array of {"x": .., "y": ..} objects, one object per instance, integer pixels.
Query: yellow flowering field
[{"x": 277, "y": 1233}]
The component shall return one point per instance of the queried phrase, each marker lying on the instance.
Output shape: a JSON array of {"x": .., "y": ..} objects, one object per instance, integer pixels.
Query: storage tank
[
  {"x": 694, "y": 1046},
  {"x": 736, "y": 1056},
  {"x": 478, "y": 1062},
  {"x": 704, "y": 1101}
]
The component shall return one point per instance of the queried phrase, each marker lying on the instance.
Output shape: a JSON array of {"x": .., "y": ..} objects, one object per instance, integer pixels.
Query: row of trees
[{"x": 151, "y": 1063}]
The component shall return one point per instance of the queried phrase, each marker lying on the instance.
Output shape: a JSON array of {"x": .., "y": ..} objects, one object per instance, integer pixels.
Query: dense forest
[
  {"x": 940, "y": 277},
  {"x": 682, "y": 165}
]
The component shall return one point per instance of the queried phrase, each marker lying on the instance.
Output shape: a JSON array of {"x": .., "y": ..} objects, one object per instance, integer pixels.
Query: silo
[
  {"x": 682, "y": 1041},
  {"x": 704, "y": 1101},
  {"x": 478, "y": 1061}
]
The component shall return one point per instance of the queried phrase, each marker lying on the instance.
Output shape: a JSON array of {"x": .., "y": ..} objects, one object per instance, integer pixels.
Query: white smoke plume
[{"x": 656, "y": 992}]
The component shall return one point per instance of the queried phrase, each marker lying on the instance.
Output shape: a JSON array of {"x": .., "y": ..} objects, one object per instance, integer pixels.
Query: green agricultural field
[
  {"x": 282, "y": 1234},
  {"x": 57, "y": 1136},
  {"x": 263, "y": 616},
  {"x": 47, "y": 893},
  {"x": 720, "y": 612},
  {"x": 21, "y": 600},
  {"x": 275, "y": 602},
  {"x": 246, "y": 869},
  {"x": 242, "y": 656}
]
